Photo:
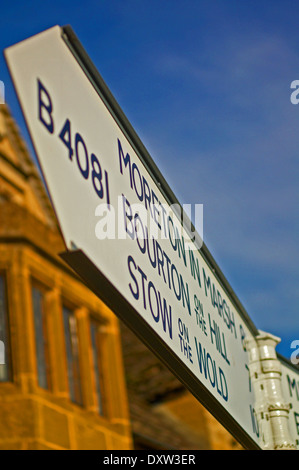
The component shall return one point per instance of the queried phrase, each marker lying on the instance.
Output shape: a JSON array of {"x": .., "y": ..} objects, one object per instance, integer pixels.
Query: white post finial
[{"x": 271, "y": 410}]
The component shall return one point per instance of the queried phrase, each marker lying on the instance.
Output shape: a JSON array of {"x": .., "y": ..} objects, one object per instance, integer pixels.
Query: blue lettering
[
  {"x": 45, "y": 107},
  {"x": 84, "y": 171},
  {"x": 135, "y": 292}
]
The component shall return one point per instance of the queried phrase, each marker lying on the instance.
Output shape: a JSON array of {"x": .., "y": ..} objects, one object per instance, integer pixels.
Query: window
[
  {"x": 72, "y": 354},
  {"x": 96, "y": 356},
  {"x": 5, "y": 369},
  {"x": 41, "y": 338}
]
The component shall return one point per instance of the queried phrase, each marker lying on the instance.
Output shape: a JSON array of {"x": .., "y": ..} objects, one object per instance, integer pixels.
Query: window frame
[
  {"x": 44, "y": 290},
  {"x": 98, "y": 373},
  {"x": 72, "y": 310}
]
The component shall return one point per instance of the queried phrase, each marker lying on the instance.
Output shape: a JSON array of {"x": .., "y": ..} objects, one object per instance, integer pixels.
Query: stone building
[{"x": 74, "y": 378}]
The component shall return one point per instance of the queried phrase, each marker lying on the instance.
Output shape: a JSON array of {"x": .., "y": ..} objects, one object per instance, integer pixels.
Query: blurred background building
[{"x": 74, "y": 377}]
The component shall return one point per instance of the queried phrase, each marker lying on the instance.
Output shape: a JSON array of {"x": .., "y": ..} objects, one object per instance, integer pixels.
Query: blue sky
[{"x": 206, "y": 85}]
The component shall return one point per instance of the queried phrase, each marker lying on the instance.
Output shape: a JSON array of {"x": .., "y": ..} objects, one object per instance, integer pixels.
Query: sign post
[{"x": 125, "y": 232}]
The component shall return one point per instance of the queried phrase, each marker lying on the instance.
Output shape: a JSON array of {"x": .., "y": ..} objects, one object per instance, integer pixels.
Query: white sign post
[{"x": 102, "y": 182}]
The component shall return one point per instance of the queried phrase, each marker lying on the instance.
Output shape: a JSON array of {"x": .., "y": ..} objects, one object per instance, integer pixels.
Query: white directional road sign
[{"x": 121, "y": 234}]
